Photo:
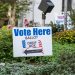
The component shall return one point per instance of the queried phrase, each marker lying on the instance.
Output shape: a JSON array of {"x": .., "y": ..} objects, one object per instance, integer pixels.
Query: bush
[
  {"x": 56, "y": 28},
  {"x": 63, "y": 54},
  {"x": 67, "y": 61},
  {"x": 5, "y": 44},
  {"x": 67, "y": 36},
  {"x": 26, "y": 69},
  {"x": 65, "y": 65},
  {"x": 6, "y": 50}
]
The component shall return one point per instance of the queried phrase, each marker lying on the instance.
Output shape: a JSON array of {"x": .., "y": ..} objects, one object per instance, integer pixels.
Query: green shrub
[
  {"x": 5, "y": 44},
  {"x": 52, "y": 68},
  {"x": 67, "y": 36},
  {"x": 63, "y": 58},
  {"x": 54, "y": 27},
  {"x": 64, "y": 64},
  {"x": 67, "y": 61},
  {"x": 6, "y": 50}
]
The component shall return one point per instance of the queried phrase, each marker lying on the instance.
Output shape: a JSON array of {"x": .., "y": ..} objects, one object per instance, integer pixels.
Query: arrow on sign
[{"x": 33, "y": 51}]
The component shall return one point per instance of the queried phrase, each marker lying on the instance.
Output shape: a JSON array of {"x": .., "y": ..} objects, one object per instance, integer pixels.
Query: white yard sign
[{"x": 32, "y": 41}]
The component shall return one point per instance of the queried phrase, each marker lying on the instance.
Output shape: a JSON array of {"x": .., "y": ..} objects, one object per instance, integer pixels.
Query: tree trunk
[{"x": 11, "y": 14}]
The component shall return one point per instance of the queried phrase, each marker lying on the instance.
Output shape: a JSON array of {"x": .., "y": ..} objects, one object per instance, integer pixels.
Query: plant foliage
[{"x": 67, "y": 36}]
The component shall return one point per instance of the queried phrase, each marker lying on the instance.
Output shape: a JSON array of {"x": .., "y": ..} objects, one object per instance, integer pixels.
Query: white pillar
[
  {"x": 65, "y": 14},
  {"x": 73, "y": 4},
  {"x": 33, "y": 12}
]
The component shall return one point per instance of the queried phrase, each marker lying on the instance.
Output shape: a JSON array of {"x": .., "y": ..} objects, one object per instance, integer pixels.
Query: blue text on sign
[{"x": 35, "y": 31}]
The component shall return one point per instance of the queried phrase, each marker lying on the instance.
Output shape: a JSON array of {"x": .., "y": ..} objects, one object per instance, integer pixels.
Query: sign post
[
  {"x": 65, "y": 15},
  {"x": 43, "y": 19}
]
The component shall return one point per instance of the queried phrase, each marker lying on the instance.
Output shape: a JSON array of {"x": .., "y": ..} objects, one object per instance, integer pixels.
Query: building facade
[{"x": 34, "y": 14}]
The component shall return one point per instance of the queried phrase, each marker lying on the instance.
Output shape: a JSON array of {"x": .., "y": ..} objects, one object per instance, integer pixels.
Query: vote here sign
[{"x": 32, "y": 41}]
